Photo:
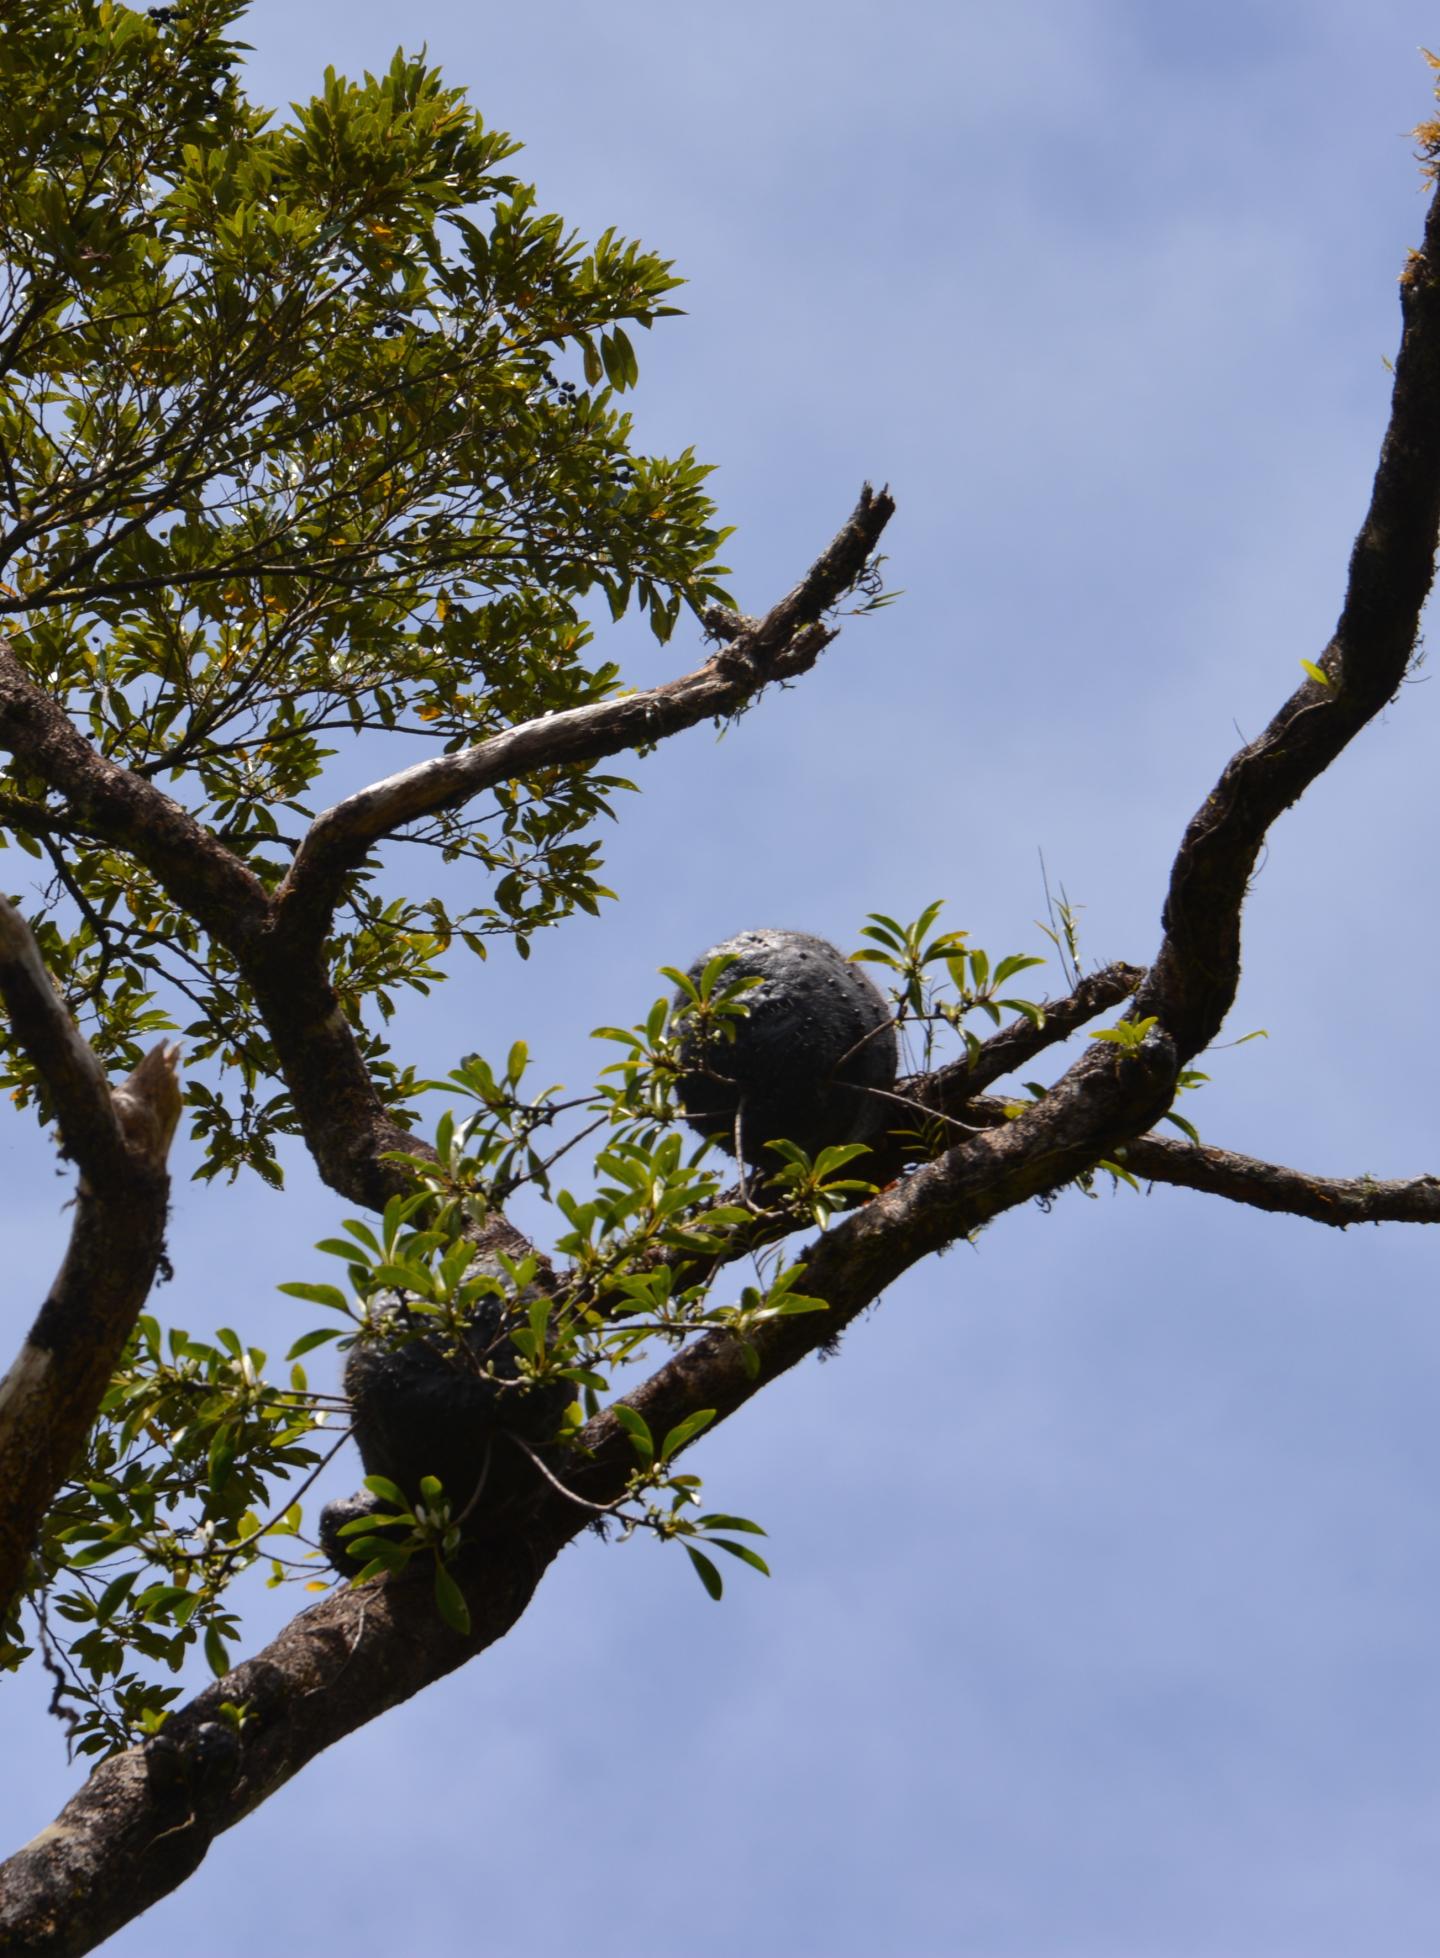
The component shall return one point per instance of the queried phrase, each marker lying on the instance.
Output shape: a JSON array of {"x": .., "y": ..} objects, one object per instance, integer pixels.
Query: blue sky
[{"x": 1107, "y": 1566}]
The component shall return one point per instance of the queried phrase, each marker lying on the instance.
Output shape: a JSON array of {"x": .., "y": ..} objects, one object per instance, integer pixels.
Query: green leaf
[
  {"x": 307, "y": 1342},
  {"x": 341, "y": 1247},
  {"x": 794, "y": 1303},
  {"x": 451, "y": 1602},
  {"x": 221, "y": 1457},
  {"x": 1317, "y": 674},
  {"x": 387, "y": 1491},
  {"x": 1016, "y": 962},
  {"x": 742, "y": 1551},
  {"x": 638, "y": 1429},
  {"x": 1127, "y": 1033},
  {"x": 327, "y": 1295},
  {"x": 379, "y": 1553},
  {"x": 706, "y": 1572},
  {"x": 114, "y": 1595},
  {"x": 216, "y": 1656},
  {"x": 684, "y": 1431}
]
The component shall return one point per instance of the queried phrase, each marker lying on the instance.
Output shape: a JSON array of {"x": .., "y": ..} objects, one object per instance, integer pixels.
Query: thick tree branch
[
  {"x": 947, "y": 1090},
  {"x": 134, "y": 1832},
  {"x": 1337, "y": 1200},
  {"x": 50, "y": 1396},
  {"x": 929, "y": 1113},
  {"x": 61, "y": 1055},
  {"x": 144, "y": 1820},
  {"x": 1106, "y": 1096},
  {"x": 346, "y": 1126},
  {"x": 138, "y": 1828},
  {"x": 1192, "y": 984},
  {"x": 279, "y": 944},
  {"x": 782, "y": 645},
  {"x": 186, "y": 859}
]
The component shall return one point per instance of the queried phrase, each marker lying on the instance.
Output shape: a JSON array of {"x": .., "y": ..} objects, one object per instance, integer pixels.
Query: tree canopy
[{"x": 311, "y": 435}]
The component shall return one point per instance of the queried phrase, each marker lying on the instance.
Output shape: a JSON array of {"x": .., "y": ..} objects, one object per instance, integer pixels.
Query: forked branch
[{"x": 133, "y": 1832}]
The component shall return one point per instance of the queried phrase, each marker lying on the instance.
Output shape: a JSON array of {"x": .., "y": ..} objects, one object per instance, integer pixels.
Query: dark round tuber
[{"x": 812, "y": 1060}]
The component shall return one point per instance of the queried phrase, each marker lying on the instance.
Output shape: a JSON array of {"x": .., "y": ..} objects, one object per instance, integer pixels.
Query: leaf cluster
[
  {"x": 642, "y": 1239},
  {"x": 939, "y": 981},
  {"x": 181, "y": 1491},
  {"x": 309, "y": 430}
]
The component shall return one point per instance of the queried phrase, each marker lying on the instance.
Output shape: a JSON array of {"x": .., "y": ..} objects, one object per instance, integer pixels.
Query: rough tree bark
[
  {"x": 144, "y": 1819},
  {"x": 119, "y": 1141}
]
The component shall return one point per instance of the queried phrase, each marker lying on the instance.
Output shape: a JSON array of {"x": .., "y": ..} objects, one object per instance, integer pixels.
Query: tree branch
[
  {"x": 1270, "y": 1186},
  {"x": 1110, "y": 1095},
  {"x": 62, "y": 1056},
  {"x": 1192, "y": 984},
  {"x": 782, "y": 645},
  {"x": 129, "y": 812},
  {"x": 136, "y": 1830},
  {"x": 50, "y": 1396},
  {"x": 145, "y": 1819},
  {"x": 346, "y": 1126},
  {"x": 949, "y": 1088},
  {"x": 279, "y": 943},
  {"x": 947, "y": 1100}
]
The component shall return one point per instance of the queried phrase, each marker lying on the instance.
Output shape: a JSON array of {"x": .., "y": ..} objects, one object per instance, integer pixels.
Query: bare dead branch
[
  {"x": 1335, "y": 1200},
  {"x": 148, "y": 1104},
  {"x": 782, "y": 645}
]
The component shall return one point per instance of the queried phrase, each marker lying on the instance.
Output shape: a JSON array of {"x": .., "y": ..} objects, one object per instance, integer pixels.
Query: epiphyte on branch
[
  {"x": 811, "y": 1061},
  {"x": 426, "y": 1403}
]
